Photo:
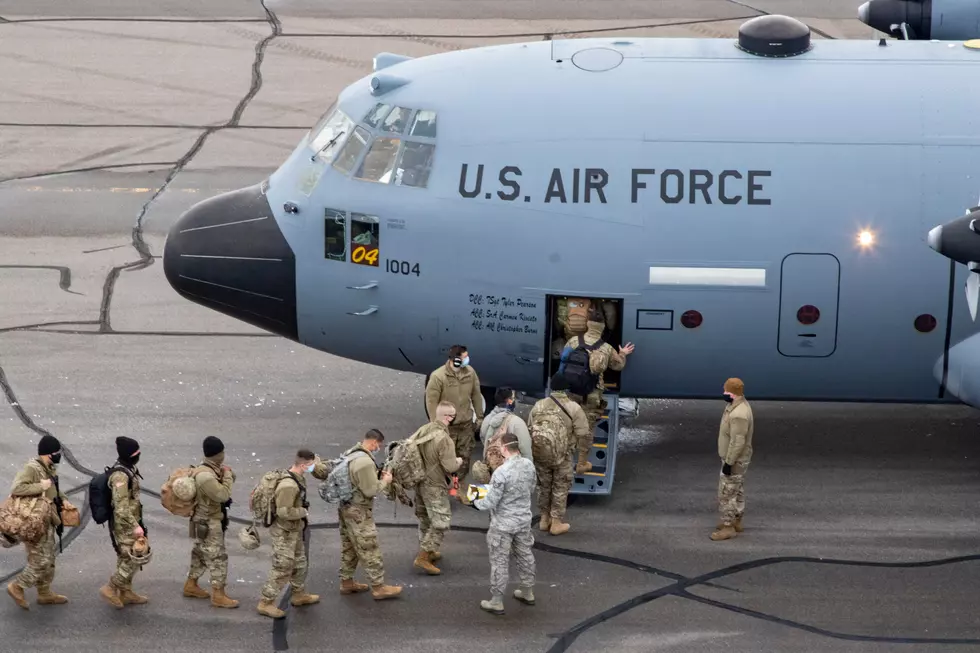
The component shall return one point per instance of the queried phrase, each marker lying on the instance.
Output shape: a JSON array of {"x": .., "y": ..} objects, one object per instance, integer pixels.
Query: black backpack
[
  {"x": 576, "y": 370},
  {"x": 100, "y": 494}
]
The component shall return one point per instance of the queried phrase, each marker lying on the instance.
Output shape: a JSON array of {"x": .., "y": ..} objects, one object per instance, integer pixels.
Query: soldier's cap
[
  {"x": 48, "y": 445},
  {"x": 735, "y": 386},
  {"x": 126, "y": 447},
  {"x": 212, "y": 446},
  {"x": 559, "y": 382}
]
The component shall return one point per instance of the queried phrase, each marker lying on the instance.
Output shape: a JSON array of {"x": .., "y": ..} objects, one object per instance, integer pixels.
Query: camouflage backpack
[
  {"x": 179, "y": 493},
  {"x": 337, "y": 487},
  {"x": 26, "y": 518},
  {"x": 549, "y": 437},
  {"x": 405, "y": 464},
  {"x": 262, "y": 501}
]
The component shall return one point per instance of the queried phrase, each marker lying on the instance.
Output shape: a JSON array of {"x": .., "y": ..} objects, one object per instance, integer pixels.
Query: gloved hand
[{"x": 726, "y": 469}]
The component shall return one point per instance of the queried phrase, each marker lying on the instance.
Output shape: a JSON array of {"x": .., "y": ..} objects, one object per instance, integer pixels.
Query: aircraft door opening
[{"x": 809, "y": 293}]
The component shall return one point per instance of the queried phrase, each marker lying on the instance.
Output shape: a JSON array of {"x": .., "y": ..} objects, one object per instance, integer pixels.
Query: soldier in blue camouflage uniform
[{"x": 509, "y": 503}]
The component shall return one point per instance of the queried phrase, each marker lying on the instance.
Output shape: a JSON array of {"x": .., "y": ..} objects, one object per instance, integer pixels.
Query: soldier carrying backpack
[{"x": 557, "y": 424}]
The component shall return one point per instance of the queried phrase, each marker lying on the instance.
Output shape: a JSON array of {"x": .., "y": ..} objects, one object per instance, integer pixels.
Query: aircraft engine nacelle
[
  {"x": 922, "y": 20},
  {"x": 959, "y": 240}
]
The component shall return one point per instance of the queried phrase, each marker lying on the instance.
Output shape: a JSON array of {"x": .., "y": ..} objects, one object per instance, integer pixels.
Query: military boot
[
  {"x": 494, "y": 606},
  {"x": 111, "y": 594},
  {"x": 129, "y": 597},
  {"x": 16, "y": 592},
  {"x": 738, "y": 525},
  {"x": 351, "y": 586},
  {"x": 545, "y": 523},
  {"x": 303, "y": 598},
  {"x": 423, "y": 561},
  {"x": 221, "y": 600},
  {"x": 194, "y": 591},
  {"x": 583, "y": 465},
  {"x": 269, "y": 609},
  {"x": 525, "y": 595},
  {"x": 381, "y": 592},
  {"x": 724, "y": 533},
  {"x": 558, "y": 527},
  {"x": 46, "y": 597},
  {"x": 435, "y": 555}
]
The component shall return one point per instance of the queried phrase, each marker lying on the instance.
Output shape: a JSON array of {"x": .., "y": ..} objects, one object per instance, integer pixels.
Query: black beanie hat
[
  {"x": 48, "y": 445},
  {"x": 559, "y": 382},
  {"x": 212, "y": 446},
  {"x": 126, "y": 447}
]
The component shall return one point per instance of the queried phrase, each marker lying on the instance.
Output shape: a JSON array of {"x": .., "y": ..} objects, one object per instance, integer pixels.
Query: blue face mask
[
  {"x": 466, "y": 361},
  {"x": 309, "y": 469}
]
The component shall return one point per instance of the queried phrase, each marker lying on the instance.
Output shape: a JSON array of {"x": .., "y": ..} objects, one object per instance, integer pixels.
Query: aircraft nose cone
[
  {"x": 863, "y": 13},
  {"x": 935, "y": 238},
  {"x": 227, "y": 253}
]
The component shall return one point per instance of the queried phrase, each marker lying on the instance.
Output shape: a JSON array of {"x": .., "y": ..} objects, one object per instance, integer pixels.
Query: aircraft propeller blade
[{"x": 973, "y": 293}]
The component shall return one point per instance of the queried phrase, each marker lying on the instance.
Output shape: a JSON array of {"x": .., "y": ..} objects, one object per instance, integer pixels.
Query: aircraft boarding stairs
[{"x": 603, "y": 454}]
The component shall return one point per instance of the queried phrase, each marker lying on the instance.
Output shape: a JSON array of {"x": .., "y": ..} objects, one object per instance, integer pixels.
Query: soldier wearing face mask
[
  {"x": 735, "y": 451},
  {"x": 40, "y": 477},
  {"x": 358, "y": 533},
  {"x": 289, "y": 564},
  {"x": 458, "y": 383},
  {"x": 497, "y": 422},
  {"x": 125, "y": 524}
]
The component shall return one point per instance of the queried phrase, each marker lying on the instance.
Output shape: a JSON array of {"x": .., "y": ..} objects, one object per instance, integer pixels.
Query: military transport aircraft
[
  {"x": 755, "y": 207},
  {"x": 923, "y": 19}
]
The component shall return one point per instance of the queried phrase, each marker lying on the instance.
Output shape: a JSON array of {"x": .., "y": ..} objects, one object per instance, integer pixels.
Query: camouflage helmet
[
  {"x": 480, "y": 472},
  {"x": 185, "y": 488},
  {"x": 249, "y": 538},
  {"x": 140, "y": 553}
]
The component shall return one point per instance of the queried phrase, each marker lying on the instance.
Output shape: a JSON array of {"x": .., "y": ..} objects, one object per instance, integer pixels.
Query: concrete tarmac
[{"x": 861, "y": 526}]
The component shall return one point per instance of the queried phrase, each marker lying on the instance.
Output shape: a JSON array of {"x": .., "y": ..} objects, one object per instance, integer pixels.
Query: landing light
[{"x": 866, "y": 238}]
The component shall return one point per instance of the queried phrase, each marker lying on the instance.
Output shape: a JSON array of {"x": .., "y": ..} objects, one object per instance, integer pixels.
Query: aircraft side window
[
  {"x": 365, "y": 238},
  {"x": 335, "y": 235},
  {"x": 397, "y": 120},
  {"x": 352, "y": 150},
  {"x": 328, "y": 141},
  {"x": 380, "y": 160},
  {"x": 322, "y": 120},
  {"x": 415, "y": 165},
  {"x": 375, "y": 115},
  {"x": 424, "y": 124}
]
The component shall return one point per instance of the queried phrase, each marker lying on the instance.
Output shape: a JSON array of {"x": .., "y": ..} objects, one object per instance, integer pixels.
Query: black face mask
[
  {"x": 55, "y": 458},
  {"x": 728, "y": 398},
  {"x": 135, "y": 459}
]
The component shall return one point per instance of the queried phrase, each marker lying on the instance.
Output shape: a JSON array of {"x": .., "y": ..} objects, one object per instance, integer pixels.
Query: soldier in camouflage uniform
[
  {"x": 458, "y": 383},
  {"x": 208, "y": 525},
  {"x": 358, "y": 533},
  {"x": 509, "y": 503},
  {"x": 125, "y": 524},
  {"x": 289, "y": 563},
  {"x": 601, "y": 359},
  {"x": 39, "y": 477},
  {"x": 735, "y": 451},
  {"x": 432, "y": 494},
  {"x": 555, "y": 481},
  {"x": 497, "y": 422},
  {"x": 570, "y": 315}
]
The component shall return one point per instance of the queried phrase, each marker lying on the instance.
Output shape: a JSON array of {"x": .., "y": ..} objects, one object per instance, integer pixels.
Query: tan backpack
[
  {"x": 26, "y": 518},
  {"x": 179, "y": 492},
  {"x": 578, "y": 314}
]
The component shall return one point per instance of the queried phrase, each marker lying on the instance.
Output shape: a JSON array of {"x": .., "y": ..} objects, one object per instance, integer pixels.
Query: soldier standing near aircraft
[
  {"x": 584, "y": 360},
  {"x": 735, "y": 450},
  {"x": 509, "y": 503},
  {"x": 214, "y": 482},
  {"x": 500, "y": 420},
  {"x": 458, "y": 383},
  {"x": 126, "y": 524},
  {"x": 562, "y": 423},
  {"x": 432, "y": 494},
  {"x": 358, "y": 533},
  {"x": 39, "y": 477},
  {"x": 289, "y": 563}
]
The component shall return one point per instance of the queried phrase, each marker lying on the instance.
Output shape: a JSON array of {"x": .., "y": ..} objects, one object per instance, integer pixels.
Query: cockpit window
[
  {"x": 415, "y": 165},
  {"x": 352, "y": 150},
  {"x": 377, "y": 114},
  {"x": 380, "y": 160},
  {"x": 327, "y": 141},
  {"x": 424, "y": 124},
  {"x": 397, "y": 120}
]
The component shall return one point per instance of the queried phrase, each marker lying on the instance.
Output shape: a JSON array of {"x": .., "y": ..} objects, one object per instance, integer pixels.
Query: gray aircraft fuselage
[{"x": 610, "y": 168}]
